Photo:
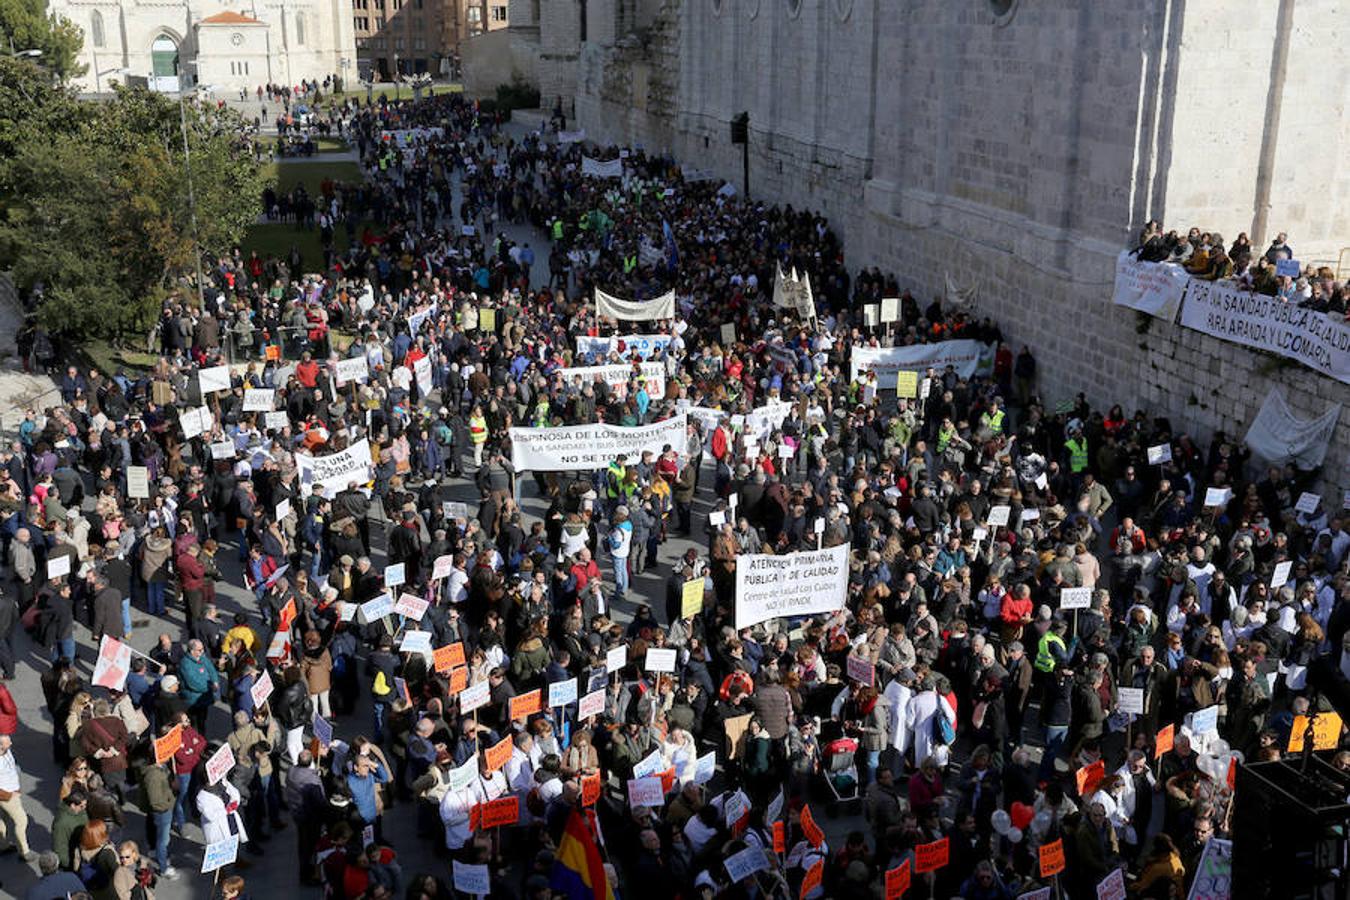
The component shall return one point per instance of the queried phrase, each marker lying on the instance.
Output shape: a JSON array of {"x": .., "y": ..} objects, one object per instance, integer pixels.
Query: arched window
[
  {"x": 96, "y": 29},
  {"x": 164, "y": 57},
  {"x": 300, "y": 29}
]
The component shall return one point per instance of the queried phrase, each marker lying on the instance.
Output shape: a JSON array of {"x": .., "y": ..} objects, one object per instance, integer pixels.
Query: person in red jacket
[
  {"x": 192, "y": 585},
  {"x": 9, "y": 712},
  {"x": 307, "y": 371},
  {"x": 1016, "y": 612}
]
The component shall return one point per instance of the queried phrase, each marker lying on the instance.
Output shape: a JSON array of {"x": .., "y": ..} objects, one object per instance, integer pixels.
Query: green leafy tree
[
  {"x": 100, "y": 215},
  {"x": 25, "y": 25}
]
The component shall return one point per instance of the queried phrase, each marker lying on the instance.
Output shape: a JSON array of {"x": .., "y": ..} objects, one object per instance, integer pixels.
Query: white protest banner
[
  {"x": 214, "y": 379},
  {"x": 649, "y": 765},
  {"x": 998, "y": 516},
  {"x": 138, "y": 482},
  {"x": 561, "y": 693},
  {"x": 963, "y": 356},
  {"x": 1160, "y": 454},
  {"x": 1278, "y": 436},
  {"x": 412, "y": 606},
  {"x": 660, "y": 660},
  {"x": 762, "y": 421},
  {"x": 378, "y": 608},
  {"x": 890, "y": 309},
  {"x": 1307, "y": 503},
  {"x": 395, "y": 574},
  {"x": 1075, "y": 598},
  {"x": 259, "y": 399},
  {"x": 594, "y": 168},
  {"x": 442, "y": 567},
  {"x": 221, "y": 853},
  {"x": 220, "y": 764},
  {"x": 222, "y": 450},
  {"x": 1205, "y": 721},
  {"x": 349, "y": 370},
  {"x": 1154, "y": 288},
  {"x": 1217, "y": 496},
  {"x": 591, "y": 704},
  {"x": 113, "y": 665},
  {"x": 415, "y": 642},
  {"x": 1214, "y": 872},
  {"x": 1112, "y": 887},
  {"x": 705, "y": 767},
  {"x": 1226, "y": 311},
  {"x": 474, "y": 696},
  {"x": 1130, "y": 700},
  {"x": 58, "y": 566},
  {"x": 417, "y": 319},
  {"x": 608, "y": 305},
  {"x": 275, "y": 421},
  {"x": 331, "y": 474},
  {"x": 472, "y": 879},
  {"x": 261, "y": 690},
  {"x": 617, "y": 377},
  {"x": 579, "y": 448},
  {"x": 422, "y": 372},
  {"x": 644, "y": 345},
  {"x": 793, "y": 584},
  {"x": 572, "y": 137},
  {"x": 616, "y": 658},
  {"x": 1280, "y": 577},
  {"x": 745, "y": 863},
  {"x": 645, "y": 792}
]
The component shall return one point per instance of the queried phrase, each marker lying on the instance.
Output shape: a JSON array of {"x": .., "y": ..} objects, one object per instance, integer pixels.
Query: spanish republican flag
[{"x": 578, "y": 870}]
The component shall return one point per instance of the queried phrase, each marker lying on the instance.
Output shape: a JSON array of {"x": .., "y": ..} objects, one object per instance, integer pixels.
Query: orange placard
[
  {"x": 504, "y": 811},
  {"x": 168, "y": 745},
  {"x": 1232, "y": 773},
  {"x": 779, "y": 838},
  {"x": 459, "y": 679},
  {"x": 1090, "y": 776},
  {"x": 810, "y": 829},
  {"x": 1052, "y": 858},
  {"x": 272, "y": 353},
  {"x": 449, "y": 656},
  {"x": 287, "y": 615},
  {"x": 590, "y": 789},
  {"x": 526, "y": 705},
  {"x": 814, "y": 876},
  {"x": 931, "y": 857},
  {"x": 897, "y": 881},
  {"x": 667, "y": 780},
  {"x": 497, "y": 755},
  {"x": 1163, "y": 742},
  {"x": 1326, "y": 732}
]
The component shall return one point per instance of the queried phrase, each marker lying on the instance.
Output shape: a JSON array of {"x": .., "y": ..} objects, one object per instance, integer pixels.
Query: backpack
[
  {"x": 92, "y": 875},
  {"x": 381, "y": 686},
  {"x": 944, "y": 732}
]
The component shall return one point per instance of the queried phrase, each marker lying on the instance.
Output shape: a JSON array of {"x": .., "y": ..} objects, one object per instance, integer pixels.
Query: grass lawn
[
  {"x": 108, "y": 358},
  {"x": 277, "y": 238},
  {"x": 331, "y": 145},
  {"x": 388, "y": 89},
  {"x": 286, "y": 174}
]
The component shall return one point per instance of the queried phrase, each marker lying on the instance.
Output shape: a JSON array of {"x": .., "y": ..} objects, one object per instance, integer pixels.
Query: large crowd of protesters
[{"x": 989, "y": 721}]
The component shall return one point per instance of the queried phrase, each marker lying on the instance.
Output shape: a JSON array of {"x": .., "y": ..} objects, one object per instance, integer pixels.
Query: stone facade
[
  {"x": 1017, "y": 147},
  {"x": 221, "y": 44}
]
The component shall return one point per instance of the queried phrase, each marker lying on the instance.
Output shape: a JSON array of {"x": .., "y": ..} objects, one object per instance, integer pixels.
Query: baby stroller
[{"x": 841, "y": 774}]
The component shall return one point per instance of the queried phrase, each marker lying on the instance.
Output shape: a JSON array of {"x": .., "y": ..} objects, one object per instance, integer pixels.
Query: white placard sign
[
  {"x": 415, "y": 642},
  {"x": 221, "y": 853},
  {"x": 1307, "y": 503},
  {"x": 412, "y": 606},
  {"x": 705, "y": 767},
  {"x": 1160, "y": 454},
  {"x": 645, "y": 792},
  {"x": 1152, "y": 287},
  {"x": 793, "y": 584},
  {"x": 138, "y": 482},
  {"x": 472, "y": 879},
  {"x": 282, "y": 510},
  {"x": 395, "y": 574},
  {"x": 561, "y": 693},
  {"x": 474, "y": 696},
  {"x": 422, "y": 372},
  {"x": 1280, "y": 577},
  {"x": 650, "y": 764},
  {"x": 1075, "y": 598},
  {"x": 998, "y": 516},
  {"x": 214, "y": 379},
  {"x": 259, "y": 399},
  {"x": 262, "y": 689},
  {"x": 222, "y": 450},
  {"x": 331, "y": 474},
  {"x": 348, "y": 370},
  {"x": 890, "y": 309},
  {"x": 1217, "y": 496},
  {"x": 661, "y": 659},
  {"x": 591, "y": 704},
  {"x": 746, "y": 863},
  {"x": 58, "y": 566},
  {"x": 1130, "y": 700},
  {"x": 220, "y": 764},
  {"x": 616, "y": 658},
  {"x": 378, "y": 608},
  {"x": 276, "y": 421},
  {"x": 578, "y": 448}
]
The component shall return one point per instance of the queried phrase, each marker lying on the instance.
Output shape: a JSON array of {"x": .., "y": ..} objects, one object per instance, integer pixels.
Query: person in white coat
[
  {"x": 898, "y": 694},
  {"x": 919, "y": 717},
  {"x": 221, "y": 813}
]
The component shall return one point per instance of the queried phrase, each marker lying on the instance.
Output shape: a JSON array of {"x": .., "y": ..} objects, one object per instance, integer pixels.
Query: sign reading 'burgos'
[{"x": 794, "y": 584}]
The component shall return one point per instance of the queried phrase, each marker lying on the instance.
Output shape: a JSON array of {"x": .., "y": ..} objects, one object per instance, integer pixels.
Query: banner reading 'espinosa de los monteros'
[
  {"x": 581, "y": 448},
  {"x": 794, "y": 584}
]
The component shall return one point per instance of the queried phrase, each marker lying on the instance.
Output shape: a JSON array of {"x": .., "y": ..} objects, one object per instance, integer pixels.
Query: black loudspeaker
[
  {"x": 740, "y": 129},
  {"x": 1289, "y": 830}
]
